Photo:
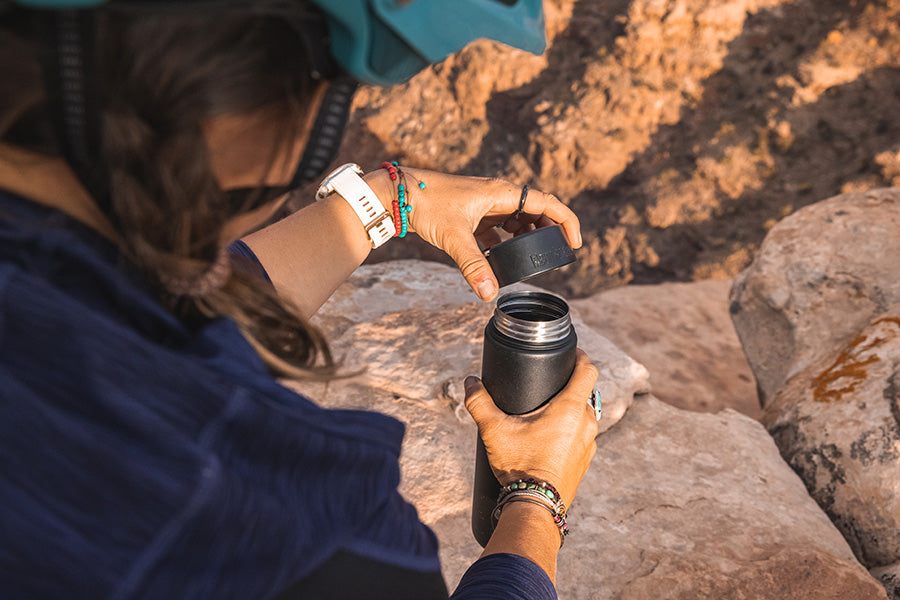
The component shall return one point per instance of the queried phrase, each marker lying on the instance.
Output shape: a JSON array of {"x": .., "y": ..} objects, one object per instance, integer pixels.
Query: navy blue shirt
[{"x": 142, "y": 458}]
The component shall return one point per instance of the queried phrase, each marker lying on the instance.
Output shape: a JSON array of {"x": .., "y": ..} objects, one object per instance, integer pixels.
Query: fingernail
[
  {"x": 486, "y": 289},
  {"x": 470, "y": 384}
]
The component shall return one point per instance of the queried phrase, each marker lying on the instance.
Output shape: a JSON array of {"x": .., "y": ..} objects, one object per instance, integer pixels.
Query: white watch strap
[{"x": 347, "y": 182}]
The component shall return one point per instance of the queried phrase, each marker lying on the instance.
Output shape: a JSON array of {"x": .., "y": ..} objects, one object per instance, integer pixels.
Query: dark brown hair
[{"x": 160, "y": 77}]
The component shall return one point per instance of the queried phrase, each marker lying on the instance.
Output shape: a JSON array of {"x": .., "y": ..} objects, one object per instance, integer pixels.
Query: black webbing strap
[
  {"x": 69, "y": 70},
  {"x": 327, "y": 131}
]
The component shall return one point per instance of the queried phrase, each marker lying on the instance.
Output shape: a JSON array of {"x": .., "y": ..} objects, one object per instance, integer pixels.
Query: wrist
[
  {"x": 533, "y": 517},
  {"x": 381, "y": 184},
  {"x": 536, "y": 493},
  {"x": 528, "y": 531},
  {"x": 397, "y": 190},
  {"x": 348, "y": 182}
]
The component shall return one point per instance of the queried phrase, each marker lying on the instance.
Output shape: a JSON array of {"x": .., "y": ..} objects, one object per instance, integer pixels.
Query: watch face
[{"x": 327, "y": 185}]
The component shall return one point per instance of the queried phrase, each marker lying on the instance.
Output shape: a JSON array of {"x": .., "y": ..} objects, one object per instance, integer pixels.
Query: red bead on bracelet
[
  {"x": 398, "y": 223},
  {"x": 395, "y": 205},
  {"x": 391, "y": 169}
]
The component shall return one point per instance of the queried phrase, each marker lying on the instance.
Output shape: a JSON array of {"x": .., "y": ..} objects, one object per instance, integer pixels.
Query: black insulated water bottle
[{"x": 529, "y": 356}]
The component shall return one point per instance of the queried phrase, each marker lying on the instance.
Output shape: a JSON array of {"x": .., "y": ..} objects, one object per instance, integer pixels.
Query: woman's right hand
[{"x": 554, "y": 443}]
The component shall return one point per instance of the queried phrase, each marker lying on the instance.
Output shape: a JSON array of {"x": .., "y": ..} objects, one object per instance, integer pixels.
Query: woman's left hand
[{"x": 455, "y": 213}]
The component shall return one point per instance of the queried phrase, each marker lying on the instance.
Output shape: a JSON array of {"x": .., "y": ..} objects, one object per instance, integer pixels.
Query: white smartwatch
[{"x": 347, "y": 181}]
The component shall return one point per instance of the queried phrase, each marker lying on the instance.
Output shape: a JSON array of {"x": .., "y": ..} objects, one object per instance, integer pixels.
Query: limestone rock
[
  {"x": 676, "y": 504},
  {"x": 417, "y": 328},
  {"x": 683, "y": 334},
  {"x": 820, "y": 277},
  {"x": 818, "y": 313},
  {"x": 687, "y": 505},
  {"x": 838, "y": 424}
]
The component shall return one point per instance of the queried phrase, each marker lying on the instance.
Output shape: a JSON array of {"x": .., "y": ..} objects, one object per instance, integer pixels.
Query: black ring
[{"x": 522, "y": 199}]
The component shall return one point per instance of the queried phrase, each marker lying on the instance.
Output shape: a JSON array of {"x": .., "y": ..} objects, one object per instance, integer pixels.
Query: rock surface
[
  {"x": 372, "y": 317},
  {"x": 676, "y": 505},
  {"x": 687, "y": 505},
  {"x": 683, "y": 334},
  {"x": 820, "y": 277},
  {"x": 838, "y": 424}
]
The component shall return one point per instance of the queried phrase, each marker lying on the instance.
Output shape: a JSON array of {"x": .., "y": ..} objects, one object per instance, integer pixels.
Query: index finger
[{"x": 540, "y": 203}]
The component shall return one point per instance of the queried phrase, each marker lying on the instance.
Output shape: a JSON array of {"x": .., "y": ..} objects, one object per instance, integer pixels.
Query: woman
[{"x": 147, "y": 450}]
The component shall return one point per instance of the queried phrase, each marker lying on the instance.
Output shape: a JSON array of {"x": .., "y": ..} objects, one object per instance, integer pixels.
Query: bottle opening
[{"x": 535, "y": 317}]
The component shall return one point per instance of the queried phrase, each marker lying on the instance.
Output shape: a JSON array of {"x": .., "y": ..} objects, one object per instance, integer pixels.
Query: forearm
[
  {"x": 310, "y": 253},
  {"x": 533, "y": 540},
  {"x": 527, "y": 530}
]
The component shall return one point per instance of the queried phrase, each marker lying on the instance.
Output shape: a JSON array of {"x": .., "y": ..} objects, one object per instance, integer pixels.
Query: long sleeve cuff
[
  {"x": 502, "y": 577},
  {"x": 248, "y": 261}
]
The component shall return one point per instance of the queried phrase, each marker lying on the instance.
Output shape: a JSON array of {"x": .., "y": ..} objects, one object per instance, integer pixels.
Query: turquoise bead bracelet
[
  {"x": 541, "y": 487},
  {"x": 402, "y": 207}
]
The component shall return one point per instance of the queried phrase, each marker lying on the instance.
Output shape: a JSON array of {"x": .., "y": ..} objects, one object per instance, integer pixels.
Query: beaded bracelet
[
  {"x": 559, "y": 519},
  {"x": 395, "y": 204},
  {"x": 404, "y": 208},
  {"x": 401, "y": 206},
  {"x": 535, "y": 492},
  {"x": 540, "y": 487}
]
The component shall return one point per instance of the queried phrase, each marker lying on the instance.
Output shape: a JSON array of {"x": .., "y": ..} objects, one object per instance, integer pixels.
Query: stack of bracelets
[
  {"x": 536, "y": 492},
  {"x": 401, "y": 204}
]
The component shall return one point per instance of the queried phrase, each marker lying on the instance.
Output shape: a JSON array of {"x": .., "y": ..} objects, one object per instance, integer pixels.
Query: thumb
[
  {"x": 473, "y": 265},
  {"x": 479, "y": 402}
]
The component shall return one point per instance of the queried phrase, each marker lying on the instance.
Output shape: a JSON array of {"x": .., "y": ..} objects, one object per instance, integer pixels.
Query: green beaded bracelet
[{"x": 531, "y": 484}]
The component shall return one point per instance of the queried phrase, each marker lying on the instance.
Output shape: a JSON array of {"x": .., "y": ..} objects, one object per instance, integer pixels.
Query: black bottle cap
[{"x": 530, "y": 254}]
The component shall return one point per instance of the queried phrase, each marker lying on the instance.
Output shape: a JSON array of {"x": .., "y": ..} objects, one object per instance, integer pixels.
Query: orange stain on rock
[{"x": 850, "y": 366}]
